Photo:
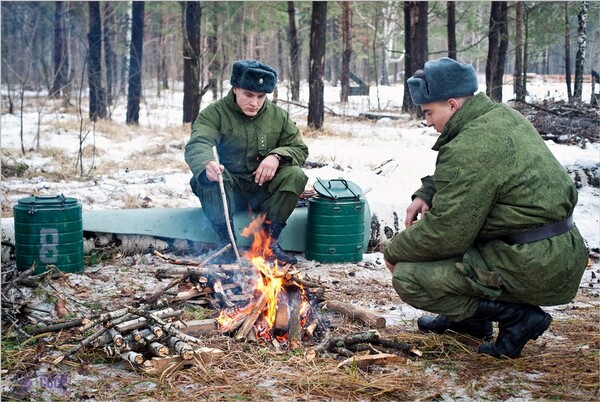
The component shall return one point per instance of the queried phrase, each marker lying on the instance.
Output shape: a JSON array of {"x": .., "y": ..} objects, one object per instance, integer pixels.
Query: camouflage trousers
[{"x": 277, "y": 198}]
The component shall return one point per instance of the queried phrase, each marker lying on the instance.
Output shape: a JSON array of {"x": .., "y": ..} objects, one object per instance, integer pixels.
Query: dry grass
[{"x": 562, "y": 365}]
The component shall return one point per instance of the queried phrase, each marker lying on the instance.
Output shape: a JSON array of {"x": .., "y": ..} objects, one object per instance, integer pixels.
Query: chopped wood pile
[{"x": 563, "y": 122}]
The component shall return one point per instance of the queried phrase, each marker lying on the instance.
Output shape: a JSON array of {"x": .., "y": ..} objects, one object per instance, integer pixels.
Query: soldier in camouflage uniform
[
  {"x": 495, "y": 237},
  {"x": 260, "y": 152}
]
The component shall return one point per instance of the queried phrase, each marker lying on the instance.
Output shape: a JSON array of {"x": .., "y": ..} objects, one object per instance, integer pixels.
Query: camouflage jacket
[
  {"x": 243, "y": 142},
  {"x": 495, "y": 176}
]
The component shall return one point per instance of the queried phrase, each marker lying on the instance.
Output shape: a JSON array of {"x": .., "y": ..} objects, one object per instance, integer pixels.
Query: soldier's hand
[
  {"x": 266, "y": 170},
  {"x": 214, "y": 170},
  {"x": 416, "y": 207}
]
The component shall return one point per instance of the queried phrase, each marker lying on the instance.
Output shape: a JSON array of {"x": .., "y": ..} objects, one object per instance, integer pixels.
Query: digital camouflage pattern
[
  {"x": 494, "y": 176},
  {"x": 242, "y": 143}
]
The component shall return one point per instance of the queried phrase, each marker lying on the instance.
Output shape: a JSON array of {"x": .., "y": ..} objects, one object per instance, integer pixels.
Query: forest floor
[{"x": 563, "y": 364}]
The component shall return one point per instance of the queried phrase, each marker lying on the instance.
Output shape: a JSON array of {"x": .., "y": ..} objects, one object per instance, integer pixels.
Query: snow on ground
[{"x": 385, "y": 157}]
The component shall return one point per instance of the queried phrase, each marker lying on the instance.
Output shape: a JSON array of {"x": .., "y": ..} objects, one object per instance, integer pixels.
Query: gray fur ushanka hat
[
  {"x": 442, "y": 79},
  {"x": 253, "y": 76}
]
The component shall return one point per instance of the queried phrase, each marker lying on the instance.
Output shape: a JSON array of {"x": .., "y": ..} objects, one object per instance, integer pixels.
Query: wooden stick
[
  {"x": 201, "y": 271},
  {"x": 226, "y": 209},
  {"x": 175, "y": 260},
  {"x": 86, "y": 342},
  {"x": 154, "y": 298},
  {"x": 295, "y": 302},
  {"x": 55, "y": 327},
  {"x": 251, "y": 319},
  {"x": 355, "y": 312}
]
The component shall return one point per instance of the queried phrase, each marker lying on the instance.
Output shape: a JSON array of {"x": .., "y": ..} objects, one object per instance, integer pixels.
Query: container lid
[
  {"x": 46, "y": 200},
  {"x": 337, "y": 188}
]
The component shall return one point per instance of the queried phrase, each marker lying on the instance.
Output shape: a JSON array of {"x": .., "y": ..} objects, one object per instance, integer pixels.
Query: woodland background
[{"x": 116, "y": 52}]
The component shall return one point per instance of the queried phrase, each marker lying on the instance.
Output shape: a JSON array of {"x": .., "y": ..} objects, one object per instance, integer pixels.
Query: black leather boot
[
  {"x": 481, "y": 329},
  {"x": 274, "y": 229},
  {"x": 517, "y": 325},
  {"x": 228, "y": 257}
]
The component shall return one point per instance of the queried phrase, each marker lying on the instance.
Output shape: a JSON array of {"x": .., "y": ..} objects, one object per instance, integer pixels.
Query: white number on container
[{"x": 49, "y": 242}]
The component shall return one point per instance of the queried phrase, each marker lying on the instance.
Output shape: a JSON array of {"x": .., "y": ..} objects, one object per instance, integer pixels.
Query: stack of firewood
[{"x": 142, "y": 336}]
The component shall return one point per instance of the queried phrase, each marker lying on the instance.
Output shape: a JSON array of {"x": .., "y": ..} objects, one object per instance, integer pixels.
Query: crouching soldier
[{"x": 495, "y": 237}]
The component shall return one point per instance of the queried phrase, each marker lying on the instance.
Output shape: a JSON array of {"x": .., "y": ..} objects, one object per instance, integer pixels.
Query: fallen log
[
  {"x": 55, "y": 327},
  {"x": 354, "y": 312}
]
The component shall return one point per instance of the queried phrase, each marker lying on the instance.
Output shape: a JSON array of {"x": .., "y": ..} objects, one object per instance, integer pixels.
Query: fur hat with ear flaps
[
  {"x": 442, "y": 79},
  {"x": 253, "y": 76}
]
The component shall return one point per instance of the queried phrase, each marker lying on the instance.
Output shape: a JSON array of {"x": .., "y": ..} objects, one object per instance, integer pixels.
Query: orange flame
[{"x": 269, "y": 283}]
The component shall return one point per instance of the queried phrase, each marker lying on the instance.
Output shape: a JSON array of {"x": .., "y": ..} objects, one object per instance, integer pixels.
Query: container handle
[
  {"x": 334, "y": 196},
  {"x": 343, "y": 181}
]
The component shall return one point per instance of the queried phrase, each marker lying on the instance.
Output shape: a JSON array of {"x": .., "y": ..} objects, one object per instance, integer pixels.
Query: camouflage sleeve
[
  {"x": 427, "y": 190},
  {"x": 205, "y": 134},
  {"x": 466, "y": 191},
  {"x": 290, "y": 145}
]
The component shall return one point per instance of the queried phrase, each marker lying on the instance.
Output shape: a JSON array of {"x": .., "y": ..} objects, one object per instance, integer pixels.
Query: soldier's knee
[{"x": 406, "y": 285}]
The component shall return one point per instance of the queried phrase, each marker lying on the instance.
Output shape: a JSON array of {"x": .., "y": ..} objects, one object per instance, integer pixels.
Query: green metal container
[
  {"x": 335, "y": 230},
  {"x": 48, "y": 231}
]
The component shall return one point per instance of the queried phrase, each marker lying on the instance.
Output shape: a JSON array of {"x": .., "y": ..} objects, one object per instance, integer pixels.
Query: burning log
[
  {"x": 249, "y": 321},
  {"x": 354, "y": 312},
  {"x": 295, "y": 302}
]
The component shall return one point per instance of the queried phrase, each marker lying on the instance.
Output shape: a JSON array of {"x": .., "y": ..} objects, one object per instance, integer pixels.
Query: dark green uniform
[
  {"x": 494, "y": 176},
  {"x": 242, "y": 143}
]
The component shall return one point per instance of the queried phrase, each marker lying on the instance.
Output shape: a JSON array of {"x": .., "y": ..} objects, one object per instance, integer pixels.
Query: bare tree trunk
[
  {"x": 519, "y": 74},
  {"x": 581, "y": 49},
  {"x": 346, "y": 53},
  {"x": 318, "y": 39},
  {"x": 61, "y": 61},
  {"x": 502, "y": 51},
  {"x": 214, "y": 66},
  {"x": 334, "y": 61},
  {"x": 110, "y": 58},
  {"x": 417, "y": 50},
  {"x": 191, "y": 56},
  {"x": 497, "y": 47},
  {"x": 134, "y": 92},
  {"x": 97, "y": 94},
  {"x": 451, "y": 11},
  {"x": 162, "y": 76},
  {"x": 294, "y": 53},
  {"x": 568, "y": 52}
]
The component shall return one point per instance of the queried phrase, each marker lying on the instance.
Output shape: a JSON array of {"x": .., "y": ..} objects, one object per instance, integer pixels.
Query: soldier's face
[
  {"x": 437, "y": 114},
  {"x": 250, "y": 102}
]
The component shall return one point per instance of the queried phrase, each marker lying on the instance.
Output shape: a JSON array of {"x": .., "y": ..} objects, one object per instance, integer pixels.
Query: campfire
[
  {"x": 280, "y": 310},
  {"x": 259, "y": 300}
]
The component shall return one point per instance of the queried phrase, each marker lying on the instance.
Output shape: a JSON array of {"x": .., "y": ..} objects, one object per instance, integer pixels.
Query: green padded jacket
[
  {"x": 495, "y": 176},
  {"x": 243, "y": 142}
]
